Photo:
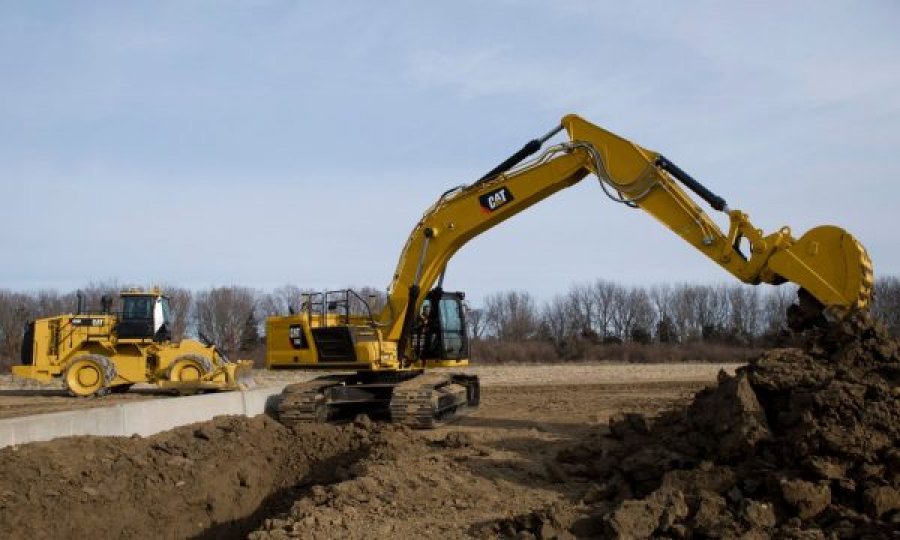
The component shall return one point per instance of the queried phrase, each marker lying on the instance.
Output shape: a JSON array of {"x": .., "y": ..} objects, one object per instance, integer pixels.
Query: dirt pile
[
  {"x": 422, "y": 485},
  {"x": 216, "y": 479},
  {"x": 799, "y": 443}
]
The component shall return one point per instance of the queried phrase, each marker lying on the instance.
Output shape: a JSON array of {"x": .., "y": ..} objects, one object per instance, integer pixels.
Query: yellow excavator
[
  {"x": 422, "y": 326},
  {"x": 102, "y": 351}
]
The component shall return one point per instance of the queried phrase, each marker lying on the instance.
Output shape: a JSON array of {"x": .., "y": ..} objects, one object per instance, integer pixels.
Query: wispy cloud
[{"x": 284, "y": 117}]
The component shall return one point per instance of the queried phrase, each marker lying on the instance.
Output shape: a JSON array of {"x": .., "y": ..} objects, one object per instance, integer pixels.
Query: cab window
[
  {"x": 137, "y": 307},
  {"x": 167, "y": 311}
]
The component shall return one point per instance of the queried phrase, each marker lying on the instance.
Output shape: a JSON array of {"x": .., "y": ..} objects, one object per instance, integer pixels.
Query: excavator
[{"x": 422, "y": 326}]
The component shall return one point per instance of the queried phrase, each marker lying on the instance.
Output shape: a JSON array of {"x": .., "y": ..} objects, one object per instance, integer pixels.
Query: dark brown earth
[
  {"x": 209, "y": 480},
  {"x": 801, "y": 443},
  {"x": 187, "y": 483}
]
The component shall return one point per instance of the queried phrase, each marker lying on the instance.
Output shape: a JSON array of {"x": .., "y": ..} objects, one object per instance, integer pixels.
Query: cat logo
[
  {"x": 493, "y": 200},
  {"x": 81, "y": 321}
]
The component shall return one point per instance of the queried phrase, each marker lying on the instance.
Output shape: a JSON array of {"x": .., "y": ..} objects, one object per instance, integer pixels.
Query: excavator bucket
[{"x": 832, "y": 266}]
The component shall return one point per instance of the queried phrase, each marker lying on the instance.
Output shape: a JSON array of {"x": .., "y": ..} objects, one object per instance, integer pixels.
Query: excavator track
[
  {"x": 434, "y": 399},
  {"x": 417, "y": 400},
  {"x": 305, "y": 403}
]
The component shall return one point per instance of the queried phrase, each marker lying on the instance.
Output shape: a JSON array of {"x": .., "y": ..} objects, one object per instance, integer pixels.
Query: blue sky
[{"x": 270, "y": 142}]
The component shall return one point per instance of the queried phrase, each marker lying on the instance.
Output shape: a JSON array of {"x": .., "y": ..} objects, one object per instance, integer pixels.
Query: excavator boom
[{"x": 826, "y": 262}]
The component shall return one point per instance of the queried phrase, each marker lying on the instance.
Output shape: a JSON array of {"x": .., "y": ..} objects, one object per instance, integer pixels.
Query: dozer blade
[
  {"x": 240, "y": 374},
  {"x": 832, "y": 266}
]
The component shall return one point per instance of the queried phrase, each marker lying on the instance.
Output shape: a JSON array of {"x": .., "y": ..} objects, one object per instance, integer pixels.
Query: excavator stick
[{"x": 829, "y": 265}]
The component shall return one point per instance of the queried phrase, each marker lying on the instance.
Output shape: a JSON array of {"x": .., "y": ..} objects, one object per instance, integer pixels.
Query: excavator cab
[{"x": 442, "y": 333}]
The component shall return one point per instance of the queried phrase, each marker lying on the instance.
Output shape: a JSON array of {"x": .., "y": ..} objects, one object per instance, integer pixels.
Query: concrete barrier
[{"x": 139, "y": 417}]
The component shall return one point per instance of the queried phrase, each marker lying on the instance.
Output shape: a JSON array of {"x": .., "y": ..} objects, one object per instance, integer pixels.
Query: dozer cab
[{"x": 95, "y": 352}]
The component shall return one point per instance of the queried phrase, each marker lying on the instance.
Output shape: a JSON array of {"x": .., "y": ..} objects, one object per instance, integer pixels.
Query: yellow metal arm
[{"x": 827, "y": 261}]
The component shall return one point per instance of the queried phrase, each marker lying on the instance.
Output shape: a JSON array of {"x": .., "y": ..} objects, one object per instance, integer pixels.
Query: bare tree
[
  {"x": 375, "y": 298},
  {"x": 222, "y": 314},
  {"x": 48, "y": 303},
  {"x": 94, "y": 292},
  {"x": 281, "y": 301},
  {"x": 775, "y": 307},
  {"x": 632, "y": 313},
  {"x": 557, "y": 323},
  {"x": 743, "y": 312},
  {"x": 181, "y": 302},
  {"x": 512, "y": 315},
  {"x": 887, "y": 302},
  {"x": 662, "y": 298},
  {"x": 578, "y": 311},
  {"x": 604, "y": 295},
  {"x": 476, "y": 320},
  {"x": 14, "y": 313}
]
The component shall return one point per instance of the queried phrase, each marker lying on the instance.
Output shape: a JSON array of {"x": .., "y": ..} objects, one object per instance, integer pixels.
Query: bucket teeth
[{"x": 867, "y": 281}]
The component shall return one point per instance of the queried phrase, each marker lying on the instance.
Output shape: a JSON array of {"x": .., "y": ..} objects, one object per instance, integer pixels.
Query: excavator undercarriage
[{"x": 412, "y": 398}]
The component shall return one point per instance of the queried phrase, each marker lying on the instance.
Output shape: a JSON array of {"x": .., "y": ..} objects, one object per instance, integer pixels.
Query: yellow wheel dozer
[
  {"x": 830, "y": 265},
  {"x": 100, "y": 351}
]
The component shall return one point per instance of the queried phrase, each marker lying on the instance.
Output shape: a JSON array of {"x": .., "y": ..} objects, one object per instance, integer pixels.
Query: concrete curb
[{"x": 140, "y": 417}]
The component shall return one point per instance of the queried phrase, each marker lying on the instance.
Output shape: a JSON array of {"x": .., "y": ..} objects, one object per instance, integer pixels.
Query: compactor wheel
[
  {"x": 189, "y": 368},
  {"x": 89, "y": 375}
]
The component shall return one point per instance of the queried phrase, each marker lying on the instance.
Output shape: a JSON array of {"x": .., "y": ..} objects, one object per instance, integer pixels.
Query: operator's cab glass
[
  {"x": 166, "y": 311},
  {"x": 442, "y": 334},
  {"x": 144, "y": 317},
  {"x": 162, "y": 319}
]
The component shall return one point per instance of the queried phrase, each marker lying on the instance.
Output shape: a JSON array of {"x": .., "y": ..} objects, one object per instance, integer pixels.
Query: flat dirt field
[
  {"x": 22, "y": 398},
  {"x": 232, "y": 476}
]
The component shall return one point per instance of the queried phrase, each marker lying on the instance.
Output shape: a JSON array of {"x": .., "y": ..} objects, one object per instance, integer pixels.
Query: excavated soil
[
  {"x": 801, "y": 443},
  {"x": 210, "y": 480},
  {"x": 223, "y": 478}
]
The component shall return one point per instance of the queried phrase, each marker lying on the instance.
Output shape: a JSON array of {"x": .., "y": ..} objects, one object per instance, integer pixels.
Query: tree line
[
  {"x": 600, "y": 315},
  {"x": 598, "y": 320}
]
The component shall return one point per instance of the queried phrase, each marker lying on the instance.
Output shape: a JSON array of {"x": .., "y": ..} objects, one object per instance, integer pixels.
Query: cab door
[{"x": 454, "y": 342}]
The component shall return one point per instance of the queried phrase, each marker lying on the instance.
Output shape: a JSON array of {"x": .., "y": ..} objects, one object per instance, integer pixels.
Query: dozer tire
[
  {"x": 189, "y": 368},
  {"x": 89, "y": 375}
]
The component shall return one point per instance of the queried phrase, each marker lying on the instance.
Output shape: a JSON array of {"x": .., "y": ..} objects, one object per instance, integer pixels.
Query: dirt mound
[
  {"x": 216, "y": 479},
  {"x": 370, "y": 497},
  {"x": 799, "y": 443}
]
